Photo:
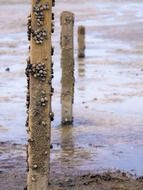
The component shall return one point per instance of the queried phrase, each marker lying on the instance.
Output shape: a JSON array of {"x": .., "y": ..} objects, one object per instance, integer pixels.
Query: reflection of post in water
[
  {"x": 67, "y": 146},
  {"x": 39, "y": 74},
  {"x": 81, "y": 41},
  {"x": 67, "y": 64},
  {"x": 81, "y": 68}
]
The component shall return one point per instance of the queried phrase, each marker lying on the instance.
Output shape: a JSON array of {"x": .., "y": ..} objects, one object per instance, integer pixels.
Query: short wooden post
[
  {"x": 81, "y": 41},
  {"x": 39, "y": 74},
  {"x": 67, "y": 64}
]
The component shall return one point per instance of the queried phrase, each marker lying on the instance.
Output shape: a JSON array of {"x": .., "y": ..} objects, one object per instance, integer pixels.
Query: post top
[{"x": 81, "y": 29}]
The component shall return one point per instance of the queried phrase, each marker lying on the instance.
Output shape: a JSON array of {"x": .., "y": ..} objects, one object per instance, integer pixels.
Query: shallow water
[{"x": 107, "y": 131}]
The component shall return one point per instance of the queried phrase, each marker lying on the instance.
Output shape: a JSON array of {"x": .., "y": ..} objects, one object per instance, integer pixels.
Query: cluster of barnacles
[
  {"x": 39, "y": 35},
  {"x": 43, "y": 101},
  {"x": 38, "y": 10},
  {"x": 38, "y": 71},
  {"x": 29, "y": 28}
]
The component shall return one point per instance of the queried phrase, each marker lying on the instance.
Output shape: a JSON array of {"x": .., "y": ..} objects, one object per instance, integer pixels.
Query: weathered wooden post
[
  {"x": 67, "y": 64},
  {"x": 81, "y": 41},
  {"x": 39, "y": 75}
]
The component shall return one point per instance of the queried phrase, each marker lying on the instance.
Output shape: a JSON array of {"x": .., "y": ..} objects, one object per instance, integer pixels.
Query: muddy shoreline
[{"x": 13, "y": 174}]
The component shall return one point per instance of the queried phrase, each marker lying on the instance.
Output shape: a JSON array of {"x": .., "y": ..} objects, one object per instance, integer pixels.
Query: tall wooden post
[
  {"x": 81, "y": 41},
  {"x": 39, "y": 73},
  {"x": 67, "y": 63}
]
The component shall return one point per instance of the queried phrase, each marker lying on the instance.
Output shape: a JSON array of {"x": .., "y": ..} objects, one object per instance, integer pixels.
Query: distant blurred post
[
  {"x": 39, "y": 76},
  {"x": 81, "y": 42},
  {"x": 67, "y": 64}
]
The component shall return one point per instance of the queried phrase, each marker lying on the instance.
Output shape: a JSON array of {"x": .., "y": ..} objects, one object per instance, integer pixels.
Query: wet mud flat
[
  {"x": 105, "y": 181},
  {"x": 12, "y": 166},
  {"x": 13, "y": 175},
  {"x": 103, "y": 149}
]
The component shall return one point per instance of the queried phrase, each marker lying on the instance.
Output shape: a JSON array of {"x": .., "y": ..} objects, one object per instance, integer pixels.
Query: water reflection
[
  {"x": 81, "y": 68},
  {"x": 67, "y": 146}
]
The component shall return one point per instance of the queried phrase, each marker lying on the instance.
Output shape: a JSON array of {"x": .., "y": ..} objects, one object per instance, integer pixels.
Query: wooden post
[
  {"x": 67, "y": 64},
  {"x": 39, "y": 74},
  {"x": 81, "y": 41}
]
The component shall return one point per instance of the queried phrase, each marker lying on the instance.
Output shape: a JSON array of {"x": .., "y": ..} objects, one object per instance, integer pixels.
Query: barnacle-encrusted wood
[
  {"x": 39, "y": 71},
  {"x": 81, "y": 41},
  {"x": 67, "y": 63}
]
